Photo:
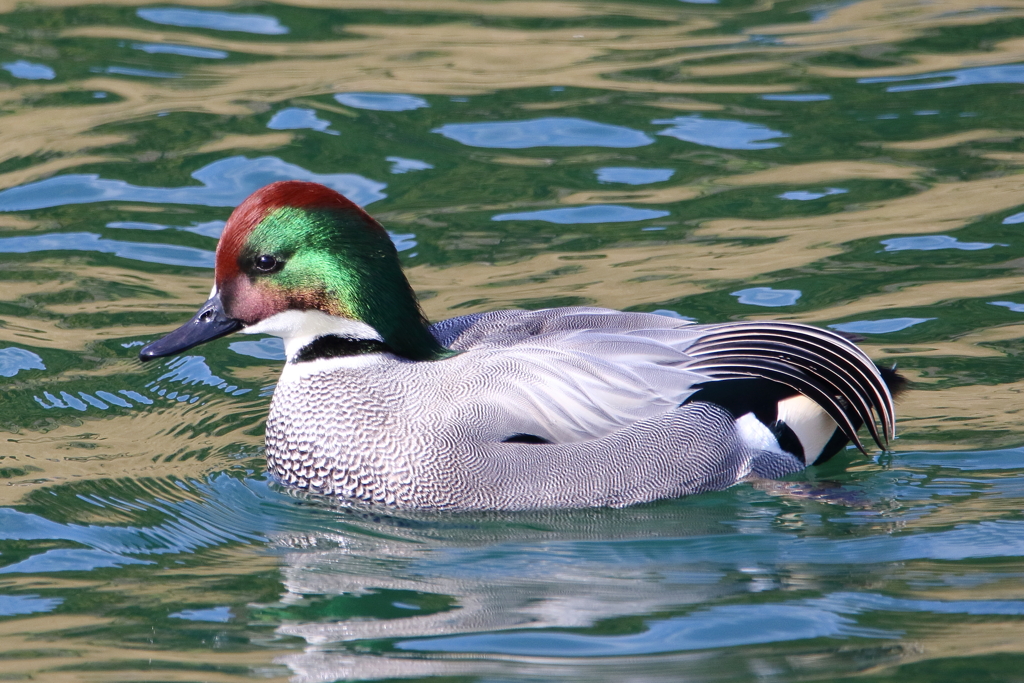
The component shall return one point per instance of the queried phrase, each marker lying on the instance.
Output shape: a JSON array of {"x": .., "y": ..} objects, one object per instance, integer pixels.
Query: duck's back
[{"x": 501, "y": 329}]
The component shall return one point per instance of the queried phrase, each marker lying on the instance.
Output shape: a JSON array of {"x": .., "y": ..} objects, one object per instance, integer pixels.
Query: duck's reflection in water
[{"x": 516, "y": 589}]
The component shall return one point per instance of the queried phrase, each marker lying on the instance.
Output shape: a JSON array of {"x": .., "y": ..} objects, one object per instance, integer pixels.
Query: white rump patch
[
  {"x": 811, "y": 424},
  {"x": 755, "y": 435}
]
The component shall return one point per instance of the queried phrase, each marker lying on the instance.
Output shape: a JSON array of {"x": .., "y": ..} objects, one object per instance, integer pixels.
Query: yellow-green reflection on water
[{"x": 865, "y": 155}]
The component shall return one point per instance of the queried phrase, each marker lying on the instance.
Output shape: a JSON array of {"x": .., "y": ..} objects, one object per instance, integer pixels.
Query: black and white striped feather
[{"x": 825, "y": 367}]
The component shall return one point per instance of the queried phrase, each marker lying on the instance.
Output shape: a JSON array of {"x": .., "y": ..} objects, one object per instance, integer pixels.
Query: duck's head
[{"x": 299, "y": 261}]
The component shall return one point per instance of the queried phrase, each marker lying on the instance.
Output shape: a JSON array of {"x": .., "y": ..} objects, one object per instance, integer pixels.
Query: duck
[{"x": 508, "y": 410}]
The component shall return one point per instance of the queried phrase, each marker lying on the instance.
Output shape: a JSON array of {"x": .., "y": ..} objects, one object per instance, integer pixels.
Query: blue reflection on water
[
  {"x": 13, "y": 360},
  {"x": 719, "y": 626},
  {"x": 295, "y": 117},
  {"x": 403, "y": 240},
  {"x": 633, "y": 176},
  {"x": 867, "y": 602},
  {"x": 225, "y": 182},
  {"x": 668, "y": 313},
  {"x": 30, "y": 71},
  {"x": 271, "y": 348},
  {"x": 48, "y": 401},
  {"x": 806, "y": 195},
  {"x": 192, "y": 370},
  {"x": 11, "y": 605},
  {"x": 879, "y": 326},
  {"x": 183, "y": 50},
  {"x": 169, "y": 254},
  {"x": 1002, "y": 459},
  {"x": 403, "y": 165},
  {"x": 950, "y": 79},
  {"x": 206, "y": 229},
  {"x": 720, "y": 133},
  {"x": 228, "y": 518},
  {"x": 381, "y": 101},
  {"x": 218, "y": 21},
  {"x": 215, "y": 614},
  {"x": 797, "y": 97},
  {"x": 116, "y": 400},
  {"x": 73, "y": 402},
  {"x": 766, "y": 296},
  {"x": 934, "y": 243},
  {"x": 596, "y": 213},
  {"x": 131, "y": 71},
  {"x": 93, "y": 401},
  {"x": 1016, "y": 308},
  {"x": 133, "y": 395},
  {"x": 1014, "y": 219},
  {"x": 70, "y": 560},
  {"x": 547, "y": 132}
]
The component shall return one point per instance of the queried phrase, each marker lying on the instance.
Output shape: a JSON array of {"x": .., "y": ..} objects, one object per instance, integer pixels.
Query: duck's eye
[{"x": 266, "y": 263}]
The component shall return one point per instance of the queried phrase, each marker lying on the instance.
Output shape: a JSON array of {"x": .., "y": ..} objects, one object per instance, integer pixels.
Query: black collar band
[{"x": 333, "y": 346}]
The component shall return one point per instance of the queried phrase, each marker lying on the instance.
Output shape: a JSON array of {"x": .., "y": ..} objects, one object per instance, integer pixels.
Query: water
[{"x": 853, "y": 165}]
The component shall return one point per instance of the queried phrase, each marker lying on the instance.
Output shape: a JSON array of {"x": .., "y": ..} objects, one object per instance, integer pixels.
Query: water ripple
[
  {"x": 294, "y": 118},
  {"x": 379, "y": 101},
  {"x": 954, "y": 78},
  {"x": 225, "y": 182},
  {"x": 879, "y": 326},
  {"x": 11, "y": 605},
  {"x": 633, "y": 176},
  {"x": 547, "y": 132},
  {"x": 720, "y": 133},
  {"x": 152, "y": 252},
  {"x": 934, "y": 243},
  {"x": 766, "y": 296},
  {"x": 29, "y": 71},
  {"x": 261, "y": 24},
  {"x": 13, "y": 360},
  {"x": 183, "y": 50},
  {"x": 596, "y": 213}
]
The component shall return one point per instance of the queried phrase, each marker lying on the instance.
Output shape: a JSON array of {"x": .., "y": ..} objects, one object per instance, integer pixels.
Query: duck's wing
[{"x": 573, "y": 374}]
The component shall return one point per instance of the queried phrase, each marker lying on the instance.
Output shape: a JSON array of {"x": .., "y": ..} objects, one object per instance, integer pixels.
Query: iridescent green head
[{"x": 299, "y": 246}]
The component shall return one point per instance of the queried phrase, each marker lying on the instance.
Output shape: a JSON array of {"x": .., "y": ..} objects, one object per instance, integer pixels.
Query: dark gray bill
[{"x": 211, "y": 322}]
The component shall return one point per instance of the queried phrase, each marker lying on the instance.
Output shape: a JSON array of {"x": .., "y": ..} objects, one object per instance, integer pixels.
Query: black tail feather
[
  {"x": 817, "y": 363},
  {"x": 896, "y": 382}
]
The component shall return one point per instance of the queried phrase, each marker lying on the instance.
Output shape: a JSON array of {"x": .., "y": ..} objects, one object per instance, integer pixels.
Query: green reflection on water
[{"x": 149, "y": 520}]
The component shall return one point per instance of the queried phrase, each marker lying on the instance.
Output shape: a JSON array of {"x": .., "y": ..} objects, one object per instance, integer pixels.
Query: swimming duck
[{"x": 511, "y": 409}]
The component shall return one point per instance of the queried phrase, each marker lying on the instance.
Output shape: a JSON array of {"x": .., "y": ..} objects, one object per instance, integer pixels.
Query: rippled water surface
[{"x": 849, "y": 164}]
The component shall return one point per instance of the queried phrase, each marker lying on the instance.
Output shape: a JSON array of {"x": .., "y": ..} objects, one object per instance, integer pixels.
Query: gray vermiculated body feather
[{"x": 606, "y": 388}]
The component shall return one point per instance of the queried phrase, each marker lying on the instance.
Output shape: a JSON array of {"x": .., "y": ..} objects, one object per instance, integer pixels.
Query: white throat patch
[{"x": 299, "y": 328}]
